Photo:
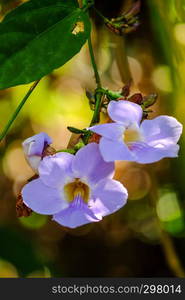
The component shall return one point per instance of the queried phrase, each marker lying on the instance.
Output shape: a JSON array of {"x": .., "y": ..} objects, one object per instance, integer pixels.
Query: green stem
[
  {"x": 101, "y": 16},
  {"x": 98, "y": 92},
  {"x": 71, "y": 151},
  {"x": 96, "y": 114},
  {"x": 96, "y": 74},
  {"x": 95, "y": 118},
  {"x": 86, "y": 4},
  {"x": 16, "y": 112}
]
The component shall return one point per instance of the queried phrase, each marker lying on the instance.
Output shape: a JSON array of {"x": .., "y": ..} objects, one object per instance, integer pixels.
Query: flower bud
[
  {"x": 136, "y": 98},
  {"x": 149, "y": 100},
  {"x": 34, "y": 147}
]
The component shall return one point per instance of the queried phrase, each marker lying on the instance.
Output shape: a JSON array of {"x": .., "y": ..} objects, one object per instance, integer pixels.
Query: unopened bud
[
  {"x": 126, "y": 89},
  {"x": 34, "y": 147},
  {"x": 136, "y": 98},
  {"x": 149, "y": 100}
]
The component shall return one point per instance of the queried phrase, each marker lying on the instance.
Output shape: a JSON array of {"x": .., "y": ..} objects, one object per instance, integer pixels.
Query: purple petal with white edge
[
  {"x": 110, "y": 195},
  {"x": 33, "y": 148},
  {"x": 161, "y": 130},
  {"x": 35, "y": 144},
  {"x": 111, "y": 131},
  {"x": 34, "y": 162},
  {"x": 115, "y": 150},
  {"x": 43, "y": 199},
  {"x": 125, "y": 112},
  {"x": 77, "y": 214},
  {"x": 89, "y": 164},
  {"x": 146, "y": 154},
  {"x": 56, "y": 169}
]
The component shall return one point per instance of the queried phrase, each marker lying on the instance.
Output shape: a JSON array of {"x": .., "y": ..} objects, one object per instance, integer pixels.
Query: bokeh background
[{"x": 146, "y": 238}]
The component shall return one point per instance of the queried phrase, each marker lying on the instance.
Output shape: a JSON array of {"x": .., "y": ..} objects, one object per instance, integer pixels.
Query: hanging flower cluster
[
  {"x": 130, "y": 139},
  {"x": 79, "y": 188},
  {"x": 75, "y": 189}
]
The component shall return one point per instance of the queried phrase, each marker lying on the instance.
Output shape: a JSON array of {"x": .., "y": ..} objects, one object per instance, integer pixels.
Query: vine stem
[
  {"x": 95, "y": 118},
  {"x": 16, "y": 112},
  {"x": 106, "y": 20},
  {"x": 98, "y": 92},
  {"x": 93, "y": 62},
  {"x": 98, "y": 96}
]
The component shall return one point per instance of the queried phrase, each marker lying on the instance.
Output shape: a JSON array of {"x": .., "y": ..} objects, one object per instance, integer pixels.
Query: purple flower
[
  {"x": 33, "y": 149},
  {"x": 75, "y": 189},
  {"x": 127, "y": 139}
]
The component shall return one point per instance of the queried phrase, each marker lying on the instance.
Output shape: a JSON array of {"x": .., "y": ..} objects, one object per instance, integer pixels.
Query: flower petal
[
  {"x": 42, "y": 199},
  {"x": 161, "y": 130},
  {"x": 111, "y": 131},
  {"x": 74, "y": 217},
  {"x": 125, "y": 112},
  {"x": 33, "y": 148},
  {"x": 35, "y": 144},
  {"x": 145, "y": 154},
  {"x": 110, "y": 195},
  {"x": 54, "y": 170},
  {"x": 114, "y": 150},
  {"x": 88, "y": 163}
]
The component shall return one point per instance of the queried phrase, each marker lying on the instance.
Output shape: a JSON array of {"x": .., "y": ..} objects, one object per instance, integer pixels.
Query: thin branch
[
  {"x": 16, "y": 112},
  {"x": 96, "y": 74}
]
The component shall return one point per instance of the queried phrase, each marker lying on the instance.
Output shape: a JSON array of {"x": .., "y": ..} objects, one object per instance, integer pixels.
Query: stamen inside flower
[
  {"x": 132, "y": 134},
  {"x": 76, "y": 189}
]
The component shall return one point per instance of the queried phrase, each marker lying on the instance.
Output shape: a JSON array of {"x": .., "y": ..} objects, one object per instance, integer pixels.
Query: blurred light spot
[
  {"x": 105, "y": 60},
  {"x": 150, "y": 230},
  {"x": 170, "y": 213},
  {"x": 179, "y": 32},
  {"x": 57, "y": 130},
  {"x": 175, "y": 226},
  {"x": 40, "y": 274},
  {"x": 161, "y": 78},
  {"x": 168, "y": 208},
  {"x": 7, "y": 270},
  {"x": 135, "y": 69},
  {"x": 137, "y": 181},
  {"x": 15, "y": 166},
  {"x": 34, "y": 221}
]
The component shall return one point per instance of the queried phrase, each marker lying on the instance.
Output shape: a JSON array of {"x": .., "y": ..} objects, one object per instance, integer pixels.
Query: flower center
[
  {"x": 76, "y": 189},
  {"x": 132, "y": 134}
]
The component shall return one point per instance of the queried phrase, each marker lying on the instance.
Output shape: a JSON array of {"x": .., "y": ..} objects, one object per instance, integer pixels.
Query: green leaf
[
  {"x": 38, "y": 37},
  {"x": 34, "y": 5}
]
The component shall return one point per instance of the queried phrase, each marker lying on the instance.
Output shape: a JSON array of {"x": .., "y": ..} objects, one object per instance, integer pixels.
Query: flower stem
[
  {"x": 96, "y": 114},
  {"x": 95, "y": 118},
  {"x": 16, "y": 112},
  {"x": 96, "y": 74},
  {"x": 98, "y": 92},
  {"x": 101, "y": 16},
  {"x": 86, "y": 4}
]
